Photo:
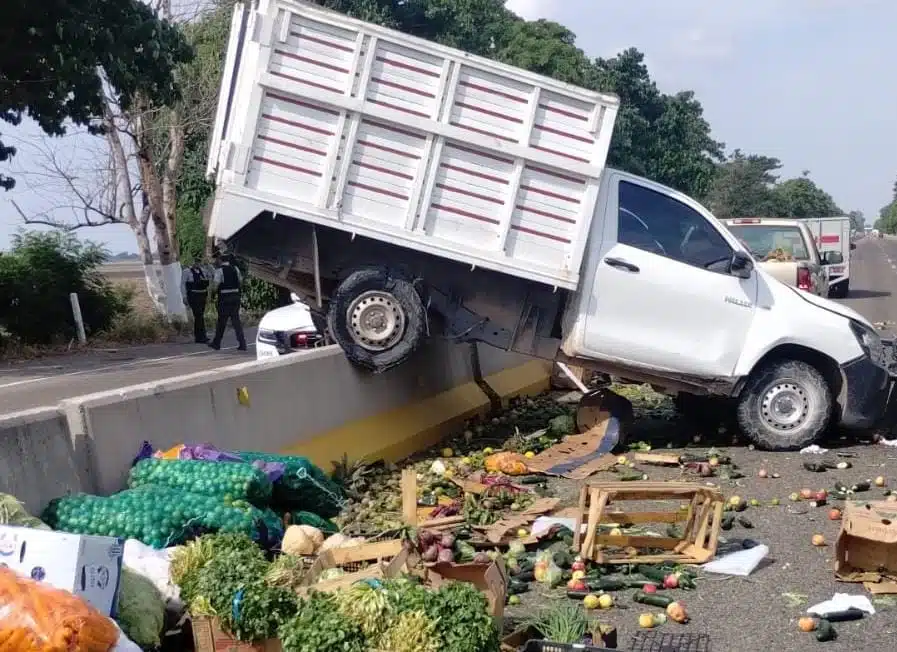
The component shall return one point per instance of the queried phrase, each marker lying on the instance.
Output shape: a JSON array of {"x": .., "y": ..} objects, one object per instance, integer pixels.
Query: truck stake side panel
[{"x": 341, "y": 123}]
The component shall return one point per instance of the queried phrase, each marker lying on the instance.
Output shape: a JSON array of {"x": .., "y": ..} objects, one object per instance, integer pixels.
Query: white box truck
[
  {"x": 404, "y": 189},
  {"x": 832, "y": 235}
]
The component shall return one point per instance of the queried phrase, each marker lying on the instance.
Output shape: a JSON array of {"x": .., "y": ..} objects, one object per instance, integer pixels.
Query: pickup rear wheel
[
  {"x": 785, "y": 405},
  {"x": 377, "y": 318}
]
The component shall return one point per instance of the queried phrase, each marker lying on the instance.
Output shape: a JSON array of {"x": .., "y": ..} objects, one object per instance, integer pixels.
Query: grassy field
[{"x": 130, "y": 275}]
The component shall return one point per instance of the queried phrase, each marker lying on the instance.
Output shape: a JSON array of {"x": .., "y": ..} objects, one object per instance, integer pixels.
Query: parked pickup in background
[
  {"x": 786, "y": 250},
  {"x": 832, "y": 234}
]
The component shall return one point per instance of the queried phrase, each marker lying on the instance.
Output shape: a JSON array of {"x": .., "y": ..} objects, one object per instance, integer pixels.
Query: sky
[{"x": 810, "y": 82}]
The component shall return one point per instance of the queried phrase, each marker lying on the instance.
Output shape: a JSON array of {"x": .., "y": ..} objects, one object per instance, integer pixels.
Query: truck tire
[
  {"x": 377, "y": 317},
  {"x": 841, "y": 290},
  {"x": 785, "y": 405}
]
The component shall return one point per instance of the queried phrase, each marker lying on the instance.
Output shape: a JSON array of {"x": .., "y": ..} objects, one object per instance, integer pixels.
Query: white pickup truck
[
  {"x": 832, "y": 236},
  {"x": 403, "y": 188}
]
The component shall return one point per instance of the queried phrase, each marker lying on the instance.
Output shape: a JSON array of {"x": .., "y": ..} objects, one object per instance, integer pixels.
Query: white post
[{"x": 79, "y": 320}]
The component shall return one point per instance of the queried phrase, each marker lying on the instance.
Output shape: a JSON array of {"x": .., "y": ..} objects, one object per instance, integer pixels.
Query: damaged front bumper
[{"x": 871, "y": 400}]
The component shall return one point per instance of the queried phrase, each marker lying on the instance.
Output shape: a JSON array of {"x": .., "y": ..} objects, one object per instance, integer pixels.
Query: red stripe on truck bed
[{"x": 829, "y": 239}]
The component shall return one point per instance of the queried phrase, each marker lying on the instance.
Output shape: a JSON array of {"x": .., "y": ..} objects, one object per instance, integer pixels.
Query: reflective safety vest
[
  {"x": 230, "y": 283},
  {"x": 199, "y": 284}
]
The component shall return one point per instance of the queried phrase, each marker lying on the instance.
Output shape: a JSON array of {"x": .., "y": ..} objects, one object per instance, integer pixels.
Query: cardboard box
[
  {"x": 491, "y": 579},
  {"x": 866, "y": 550},
  {"x": 209, "y": 637},
  {"x": 87, "y": 566}
]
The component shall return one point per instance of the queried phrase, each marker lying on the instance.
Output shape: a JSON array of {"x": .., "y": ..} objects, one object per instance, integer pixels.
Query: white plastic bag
[
  {"x": 154, "y": 565},
  {"x": 125, "y": 644},
  {"x": 740, "y": 563}
]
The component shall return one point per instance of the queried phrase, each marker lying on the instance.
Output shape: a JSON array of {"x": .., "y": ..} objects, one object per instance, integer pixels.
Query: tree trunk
[
  {"x": 154, "y": 198},
  {"x": 151, "y": 276}
]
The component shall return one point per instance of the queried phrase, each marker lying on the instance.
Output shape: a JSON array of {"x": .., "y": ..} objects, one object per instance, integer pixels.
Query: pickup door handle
[{"x": 619, "y": 263}]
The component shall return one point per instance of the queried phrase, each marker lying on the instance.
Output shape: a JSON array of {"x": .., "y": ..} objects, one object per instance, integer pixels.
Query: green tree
[
  {"x": 857, "y": 220},
  {"x": 743, "y": 186},
  {"x": 801, "y": 197},
  {"x": 36, "y": 277},
  {"x": 50, "y": 54},
  {"x": 663, "y": 137}
]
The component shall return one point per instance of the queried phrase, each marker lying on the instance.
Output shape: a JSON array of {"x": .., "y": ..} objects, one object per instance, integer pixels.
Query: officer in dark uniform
[
  {"x": 227, "y": 283},
  {"x": 195, "y": 282}
]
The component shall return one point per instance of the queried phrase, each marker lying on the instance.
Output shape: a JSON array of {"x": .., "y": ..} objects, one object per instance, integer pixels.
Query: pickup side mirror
[
  {"x": 832, "y": 258},
  {"x": 742, "y": 265},
  {"x": 853, "y": 245}
]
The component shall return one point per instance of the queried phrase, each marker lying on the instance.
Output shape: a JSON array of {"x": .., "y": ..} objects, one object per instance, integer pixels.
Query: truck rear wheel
[
  {"x": 841, "y": 290},
  {"x": 377, "y": 318},
  {"x": 785, "y": 405}
]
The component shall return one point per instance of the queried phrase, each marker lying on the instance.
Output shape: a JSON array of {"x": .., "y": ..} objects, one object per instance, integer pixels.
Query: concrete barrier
[
  {"x": 39, "y": 460},
  {"x": 314, "y": 404}
]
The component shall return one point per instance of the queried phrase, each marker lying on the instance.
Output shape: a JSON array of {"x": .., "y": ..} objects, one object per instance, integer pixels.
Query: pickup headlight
[{"x": 869, "y": 340}]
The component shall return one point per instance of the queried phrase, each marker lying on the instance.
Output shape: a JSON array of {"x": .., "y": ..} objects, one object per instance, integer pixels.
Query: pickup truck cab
[
  {"x": 786, "y": 250},
  {"x": 404, "y": 190}
]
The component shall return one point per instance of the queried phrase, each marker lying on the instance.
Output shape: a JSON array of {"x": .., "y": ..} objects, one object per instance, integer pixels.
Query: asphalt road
[
  {"x": 28, "y": 385},
  {"x": 49, "y": 380},
  {"x": 873, "y": 283},
  {"x": 759, "y": 612}
]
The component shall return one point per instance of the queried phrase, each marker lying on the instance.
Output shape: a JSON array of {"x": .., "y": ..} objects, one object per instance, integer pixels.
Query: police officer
[
  {"x": 227, "y": 282},
  {"x": 195, "y": 290}
]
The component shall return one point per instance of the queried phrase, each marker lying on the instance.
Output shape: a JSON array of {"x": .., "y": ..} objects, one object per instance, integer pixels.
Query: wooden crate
[
  {"x": 701, "y": 519},
  {"x": 367, "y": 560}
]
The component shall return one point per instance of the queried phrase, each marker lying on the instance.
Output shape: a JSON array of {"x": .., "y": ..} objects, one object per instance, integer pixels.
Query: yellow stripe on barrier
[{"x": 398, "y": 433}]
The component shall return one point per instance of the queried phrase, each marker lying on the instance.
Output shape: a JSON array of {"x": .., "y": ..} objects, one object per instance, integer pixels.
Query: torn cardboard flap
[
  {"x": 866, "y": 550},
  {"x": 575, "y": 458},
  {"x": 496, "y": 532},
  {"x": 602, "y": 415}
]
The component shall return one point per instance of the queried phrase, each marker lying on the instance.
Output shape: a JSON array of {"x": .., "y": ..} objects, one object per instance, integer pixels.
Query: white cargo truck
[
  {"x": 404, "y": 189},
  {"x": 832, "y": 236}
]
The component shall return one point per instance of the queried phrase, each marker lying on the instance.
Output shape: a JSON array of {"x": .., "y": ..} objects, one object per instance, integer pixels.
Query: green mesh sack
[
  {"x": 303, "y": 485},
  {"x": 161, "y": 517},
  {"x": 224, "y": 480}
]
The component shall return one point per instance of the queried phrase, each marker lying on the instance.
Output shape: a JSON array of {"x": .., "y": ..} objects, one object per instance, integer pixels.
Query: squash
[{"x": 302, "y": 540}]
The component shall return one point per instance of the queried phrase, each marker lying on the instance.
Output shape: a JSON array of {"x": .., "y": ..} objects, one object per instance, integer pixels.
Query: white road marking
[{"x": 122, "y": 365}]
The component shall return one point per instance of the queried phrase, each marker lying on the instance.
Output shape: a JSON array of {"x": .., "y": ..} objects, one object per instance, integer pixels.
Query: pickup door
[{"x": 662, "y": 294}]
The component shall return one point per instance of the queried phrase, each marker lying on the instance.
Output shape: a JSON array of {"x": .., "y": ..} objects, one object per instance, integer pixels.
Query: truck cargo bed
[{"x": 341, "y": 123}]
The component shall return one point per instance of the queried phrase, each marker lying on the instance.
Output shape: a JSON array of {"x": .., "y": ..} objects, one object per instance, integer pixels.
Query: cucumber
[
  {"x": 843, "y": 616},
  {"x": 515, "y": 586},
  {"x": 526, "y": 576},
  {"x": 607, "y": 584},
  {"x": 653, "y": 573},
  {"x": 530, "y": 479},
  {"x": 638, "y": 584},
  {"x": 578, "y": 595},
  {"x": 861, "y": 486},
  {"x": 728, "y": 521},
  {"x": 745, "y": 523},
  {"x": 825, "y": 631},
  {"x": 652, "y": 599}
]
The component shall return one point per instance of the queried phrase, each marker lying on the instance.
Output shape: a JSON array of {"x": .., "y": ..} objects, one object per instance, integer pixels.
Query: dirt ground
[{"x": 759, "y": 612}]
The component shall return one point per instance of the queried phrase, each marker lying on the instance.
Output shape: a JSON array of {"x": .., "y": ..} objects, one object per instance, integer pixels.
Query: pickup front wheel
[
  {"x": 785, "y": 405},
  {"x": 377, "y": 317}
]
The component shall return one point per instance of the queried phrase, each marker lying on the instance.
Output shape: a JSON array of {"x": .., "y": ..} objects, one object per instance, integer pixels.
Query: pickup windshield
[{"x": 771, "y": 242}]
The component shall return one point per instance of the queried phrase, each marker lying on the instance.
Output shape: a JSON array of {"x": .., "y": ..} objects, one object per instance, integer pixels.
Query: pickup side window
[{"x": 656, "y": 223}]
